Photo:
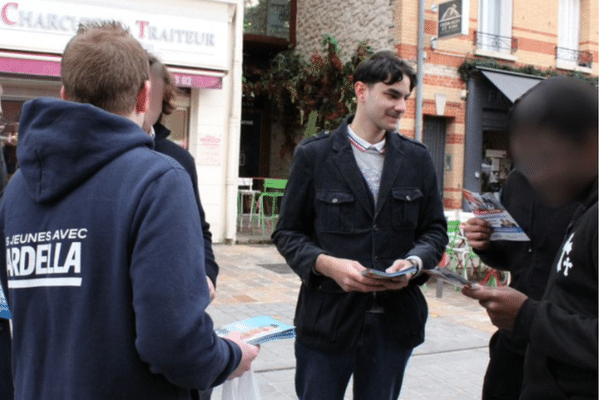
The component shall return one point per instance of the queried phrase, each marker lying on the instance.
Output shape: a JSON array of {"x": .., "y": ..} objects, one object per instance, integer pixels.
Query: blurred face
[
  {"x": 384, "y": 104},
  {"x": 558, "y": 169},
  {"x": 157, "y": 88}
]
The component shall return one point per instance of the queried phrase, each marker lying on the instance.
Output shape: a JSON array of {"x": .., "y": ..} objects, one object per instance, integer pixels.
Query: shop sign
[
  {"x": 453, "y": 18},
  {"x": 42, "y": 26}
]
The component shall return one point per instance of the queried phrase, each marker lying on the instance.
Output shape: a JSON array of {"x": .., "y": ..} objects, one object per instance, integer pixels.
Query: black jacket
[
  {"x": 562, "y": 329},
  {"x": 181, "y": 155},
  {"x": 329, "y": 209}
]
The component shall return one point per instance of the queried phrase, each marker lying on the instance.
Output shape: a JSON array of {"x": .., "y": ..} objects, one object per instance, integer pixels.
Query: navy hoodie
[{"x": 104, "y": 277}]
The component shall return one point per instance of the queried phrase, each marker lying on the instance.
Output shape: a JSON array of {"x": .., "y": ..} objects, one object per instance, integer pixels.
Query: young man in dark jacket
[
  {"x": 101, "y": 264},
  {"x": 529, "y": 264},
  {"x": 553, "y": 132},
  {"x": 359, "y": 197},
  {"x": 162, "y": 97}
]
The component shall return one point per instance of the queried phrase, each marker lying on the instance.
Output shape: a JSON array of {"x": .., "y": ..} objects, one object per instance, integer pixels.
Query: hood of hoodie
[{"x": 62, "y": 144}]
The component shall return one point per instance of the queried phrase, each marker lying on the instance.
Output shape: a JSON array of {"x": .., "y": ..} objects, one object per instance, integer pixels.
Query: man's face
[
  {"x": 157, "y": 87},
  {"x": 557, "y": 168},
  {"x": 385, "y": 104}
]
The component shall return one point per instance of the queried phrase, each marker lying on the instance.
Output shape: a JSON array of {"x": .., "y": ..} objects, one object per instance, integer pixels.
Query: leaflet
[
  {"x": 449, "y": 276},
  {"x": 258, "y": 330},
  {"x": 4, "y": 311},
  {"x": 388, "y": 275},
  {"x": 487, "y": 207}
]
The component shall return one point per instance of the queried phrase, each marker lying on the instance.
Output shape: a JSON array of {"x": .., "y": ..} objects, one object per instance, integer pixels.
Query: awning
[
  {"x": 37, "y": 65},
  {"x": 512, "y": 85}
]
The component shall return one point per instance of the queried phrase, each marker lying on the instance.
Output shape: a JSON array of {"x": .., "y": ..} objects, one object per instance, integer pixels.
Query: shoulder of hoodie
[{"x": 151, "y": 163}]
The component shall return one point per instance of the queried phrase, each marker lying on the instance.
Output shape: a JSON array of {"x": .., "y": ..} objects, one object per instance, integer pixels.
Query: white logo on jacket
[
  {"x": 42, "y": 259},
  {"x": 565, "y": 258}
]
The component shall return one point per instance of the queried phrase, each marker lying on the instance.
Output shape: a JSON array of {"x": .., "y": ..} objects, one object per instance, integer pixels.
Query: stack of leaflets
[
  {"x": 487, "y": 207},
  {"x": 388, "y": 275},
  {"x": 450, "y": 277},
  {"x": 4, "y": 312},
  {"x": 259, "y": 330}
]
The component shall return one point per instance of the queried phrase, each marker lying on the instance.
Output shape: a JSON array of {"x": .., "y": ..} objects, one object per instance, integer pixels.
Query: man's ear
[
  {"x": 143, "y": 100},
  {"x": 360, "y": 89},
  {"x": 63, "y": 96}
]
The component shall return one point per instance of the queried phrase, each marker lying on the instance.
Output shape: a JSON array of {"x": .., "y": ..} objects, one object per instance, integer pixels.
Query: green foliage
[
  {"x": 320, "y": 87},
  {"x": 471, "y": 64}
]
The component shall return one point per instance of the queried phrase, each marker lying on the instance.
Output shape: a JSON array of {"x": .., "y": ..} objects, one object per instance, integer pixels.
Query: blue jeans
[{"x": 377, "y": 362}]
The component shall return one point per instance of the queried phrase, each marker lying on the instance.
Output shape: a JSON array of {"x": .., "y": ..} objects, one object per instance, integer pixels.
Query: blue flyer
[
  {"x": 259, "y": 330},
  {"x": 4, "y": 312}
]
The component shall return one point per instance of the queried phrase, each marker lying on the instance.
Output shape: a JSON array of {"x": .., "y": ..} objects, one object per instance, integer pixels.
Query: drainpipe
[
  {"x": 235, "y": 118},
  {"x": 420, "y": 56}
]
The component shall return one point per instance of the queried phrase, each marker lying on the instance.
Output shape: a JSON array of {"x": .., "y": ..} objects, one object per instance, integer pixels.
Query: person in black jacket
[
  {"x": 529, "y": 264},
  {"x": 360, "y": 197},
  {"x": 553, "y": 132},
  {"x": 162, "y": 95}
]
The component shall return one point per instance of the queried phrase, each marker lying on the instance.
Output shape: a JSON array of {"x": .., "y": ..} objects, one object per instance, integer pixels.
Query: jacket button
[
  {"x": 408, "y": 197},
  {"x": 334, "y": 200},
  {"x": 375, "y": 228}
]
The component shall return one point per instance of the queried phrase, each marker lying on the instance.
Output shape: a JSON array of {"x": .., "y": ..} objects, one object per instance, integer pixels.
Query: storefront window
[{"x": 269, "y": 18}]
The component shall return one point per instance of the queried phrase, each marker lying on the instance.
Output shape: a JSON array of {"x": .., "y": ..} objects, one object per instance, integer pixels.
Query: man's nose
[{"x": 400, "y": 105}]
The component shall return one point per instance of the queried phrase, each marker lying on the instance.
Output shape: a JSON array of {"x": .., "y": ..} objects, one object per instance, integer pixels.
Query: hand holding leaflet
[
  {"x": 486, "y": 207},
  {"x": 388, "y": 275}
]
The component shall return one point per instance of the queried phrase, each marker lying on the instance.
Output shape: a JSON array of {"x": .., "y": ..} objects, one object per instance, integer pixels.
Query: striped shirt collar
[{"x": 363, "y": 145}]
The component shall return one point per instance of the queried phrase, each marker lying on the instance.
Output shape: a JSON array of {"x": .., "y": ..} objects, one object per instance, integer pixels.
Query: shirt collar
[{"x": 363, "y": 145}]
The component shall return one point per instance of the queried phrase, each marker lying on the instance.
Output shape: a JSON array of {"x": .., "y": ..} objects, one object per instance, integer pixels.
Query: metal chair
[
  {"x": 245, "y": 192},
  {"x": 268, "y": 202}
]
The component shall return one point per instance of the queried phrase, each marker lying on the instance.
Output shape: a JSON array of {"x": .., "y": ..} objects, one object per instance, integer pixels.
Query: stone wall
[{"x": 349, "y": 21}]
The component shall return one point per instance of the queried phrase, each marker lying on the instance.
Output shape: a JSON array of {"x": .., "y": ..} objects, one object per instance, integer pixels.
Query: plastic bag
[{"x": 242, "y": 388}]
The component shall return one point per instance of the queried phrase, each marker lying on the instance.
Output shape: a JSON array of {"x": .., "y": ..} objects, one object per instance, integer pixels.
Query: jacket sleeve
[
  {"x": 564, "y": 336},
  {"x": 495, "y": 256},
  {"x": 431, "y": 235},
  {"x": 294, "y": 233},
  {"x": 211, "y": 266},
  {"x": 174, "y": 334}
]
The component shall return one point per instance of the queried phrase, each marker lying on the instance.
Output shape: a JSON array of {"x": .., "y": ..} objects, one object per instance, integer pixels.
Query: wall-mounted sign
[
  {"x": 46, "y": 27},
  {"x": 453, "y": 18}
]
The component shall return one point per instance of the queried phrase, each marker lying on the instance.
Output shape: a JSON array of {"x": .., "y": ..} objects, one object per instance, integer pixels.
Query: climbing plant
[{"x": 320, "y": 87}]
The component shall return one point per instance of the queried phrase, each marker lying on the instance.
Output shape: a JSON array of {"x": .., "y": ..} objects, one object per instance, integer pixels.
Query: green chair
[
  {"x": 268, "y": 203},
  {"x": 456, "y": 249}
]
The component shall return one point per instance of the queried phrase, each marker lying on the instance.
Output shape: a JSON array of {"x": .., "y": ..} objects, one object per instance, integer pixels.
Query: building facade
[
  {"x": 468, "y": 84},
  {"x": 479, "y": 56},
  {"x": 199, "y": 40}
]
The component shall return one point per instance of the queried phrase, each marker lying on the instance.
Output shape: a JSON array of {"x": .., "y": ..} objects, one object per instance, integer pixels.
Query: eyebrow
[{"x": 396, "y": 92}]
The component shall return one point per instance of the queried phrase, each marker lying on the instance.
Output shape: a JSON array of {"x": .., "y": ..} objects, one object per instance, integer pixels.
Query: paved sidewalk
[{"x": 254, "y": 280}]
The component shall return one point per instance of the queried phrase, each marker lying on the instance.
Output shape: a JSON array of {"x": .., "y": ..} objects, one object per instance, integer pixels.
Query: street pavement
[{"x": 450, "y": 365}]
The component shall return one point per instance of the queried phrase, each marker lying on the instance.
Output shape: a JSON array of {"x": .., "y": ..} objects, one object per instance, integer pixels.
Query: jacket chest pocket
[
  {"x": 334, "y": 211},
  {"x": 406, "y": 204}
]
